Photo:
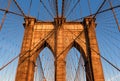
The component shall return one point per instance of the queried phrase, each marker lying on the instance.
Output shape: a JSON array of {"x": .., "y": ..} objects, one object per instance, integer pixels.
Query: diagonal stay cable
[
  {"x": 103, "y": 58},
  {"x": 106, "y": 60},
  {"x": 19, "y": 8},
  {"x": 8, "y": 11},
  {"x": 41, "y": 41},
  {"x": 68, "y": 45},
  {"x": 41, "y": 66},
  {"x": 25, "y": 52},
  {"x": 114, "y": 14},
  {"x": 14, "y": 59},
  {"x": 99, "y": 8},
  {"x": 79, "y": 63},
  {"x": 70, "y": 67},
  {"x": 99, "y": 55},
  {"x": 5, "y": 13},
  {"x": 118, "y": 6},
  {"x": 46, "y": 9},
  {"x": 67, "y": 6},
  {"x": 73, "y": 8},
  {"x": 76, "y": 75},
  {"x": 51, "y": 5}
]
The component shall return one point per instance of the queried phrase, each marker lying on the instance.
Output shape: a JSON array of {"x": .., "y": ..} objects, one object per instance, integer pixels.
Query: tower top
[{"x": 59, "y": 21}]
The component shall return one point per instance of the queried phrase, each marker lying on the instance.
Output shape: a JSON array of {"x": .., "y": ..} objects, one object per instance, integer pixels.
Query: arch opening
[
  {"x": 75, "y": 69},
  {"x": 45, "y": 69}
]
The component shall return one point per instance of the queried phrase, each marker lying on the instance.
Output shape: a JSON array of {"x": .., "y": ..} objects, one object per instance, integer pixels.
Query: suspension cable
[
  {"x": 97, "y": 13},
  {"x": 107, "y": 60},
  {"x": 13, "y": 60},
  {"x": 56, "y": 7},
  {"x": 19, "y": 8},
  {"x": 5, "y": 13},
  {"x": 99, "y": 54},
  {"x": 114, "y": 14},
  {"x": 63, "y": 4},
  {"x": 11, "y": 12},
  {"x": 99, "y": 8}
]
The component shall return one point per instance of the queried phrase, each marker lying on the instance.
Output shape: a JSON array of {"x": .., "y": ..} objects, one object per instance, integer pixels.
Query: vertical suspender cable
[
  {"x": 30, "y": 7},
  {"x": 90, "y": 10},
  {"x": 56, "y": 8},
  {"x": 63, "y": 1}
]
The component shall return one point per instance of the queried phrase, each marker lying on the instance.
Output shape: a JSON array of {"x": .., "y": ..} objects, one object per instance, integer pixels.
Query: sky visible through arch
[{"x": 11, "y": 34}]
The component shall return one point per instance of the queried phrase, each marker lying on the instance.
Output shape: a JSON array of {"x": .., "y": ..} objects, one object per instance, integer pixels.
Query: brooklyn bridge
[{"x": 59, "y": 40}]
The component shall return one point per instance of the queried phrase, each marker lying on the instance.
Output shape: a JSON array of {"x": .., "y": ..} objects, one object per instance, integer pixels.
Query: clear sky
[{"x": 12, "y": 31}]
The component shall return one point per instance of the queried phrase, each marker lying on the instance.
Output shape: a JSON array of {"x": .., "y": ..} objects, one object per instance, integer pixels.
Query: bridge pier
[{"x": 60, "y": 42}]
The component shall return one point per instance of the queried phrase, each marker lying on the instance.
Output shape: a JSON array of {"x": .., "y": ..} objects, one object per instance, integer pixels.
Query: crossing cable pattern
[
  {"x": 45, "y": 66},
  {"x": 75, "y": 68},
  {"x": 39, "y": 75},
  {"x": 10, "y": 62},
  {"x": 106, "y": 60},
  {"x": 107, "y": 33},
  {"x": 5, "y": 15}
]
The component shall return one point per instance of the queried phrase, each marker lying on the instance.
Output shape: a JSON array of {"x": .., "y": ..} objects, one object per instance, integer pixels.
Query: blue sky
[{"x": 12, "y": 31}]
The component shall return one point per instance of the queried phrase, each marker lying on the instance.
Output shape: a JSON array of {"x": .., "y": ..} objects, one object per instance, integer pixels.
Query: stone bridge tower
[{"x": 60, "y": 36}]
